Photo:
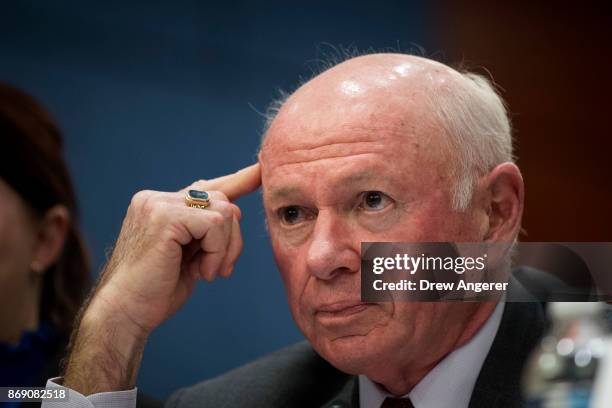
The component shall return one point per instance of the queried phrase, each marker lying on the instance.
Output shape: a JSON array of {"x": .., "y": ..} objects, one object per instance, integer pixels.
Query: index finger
[{"x": 237, "y": 184}]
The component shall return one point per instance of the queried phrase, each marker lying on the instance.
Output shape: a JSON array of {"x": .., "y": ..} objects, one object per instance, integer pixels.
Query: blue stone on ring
[
  {"x": 197, "y": 199},
  {"x": 198, "y": 195}
]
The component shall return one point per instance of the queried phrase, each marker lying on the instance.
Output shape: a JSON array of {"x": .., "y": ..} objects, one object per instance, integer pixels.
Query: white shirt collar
[{"x": 451, "y": 382}]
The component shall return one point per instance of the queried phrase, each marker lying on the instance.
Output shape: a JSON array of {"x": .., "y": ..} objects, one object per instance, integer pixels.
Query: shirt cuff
[{"x": 113, "y": 399}]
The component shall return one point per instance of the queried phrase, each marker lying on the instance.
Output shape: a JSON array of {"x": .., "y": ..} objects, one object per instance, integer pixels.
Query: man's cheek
[
  {"x": 300, "y": 311},
  {"x": 292, "y": 280},
  {"x": 295, "y": 280},
  {"x": 300, "y": 303},
  {"x": 280, "y": 255},
  {"x": 288, "y": 261}
]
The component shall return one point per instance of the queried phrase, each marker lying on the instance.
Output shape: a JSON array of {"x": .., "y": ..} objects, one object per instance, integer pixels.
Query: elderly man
[{"x": 382, "y": 147}]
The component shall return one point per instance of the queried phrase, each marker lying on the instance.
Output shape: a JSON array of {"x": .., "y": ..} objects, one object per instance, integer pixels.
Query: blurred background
[{"x": 154, "y": 95}]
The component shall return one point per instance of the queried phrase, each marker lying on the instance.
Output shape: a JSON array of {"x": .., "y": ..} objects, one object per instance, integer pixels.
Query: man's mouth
[{"x": 334, "y": 312}]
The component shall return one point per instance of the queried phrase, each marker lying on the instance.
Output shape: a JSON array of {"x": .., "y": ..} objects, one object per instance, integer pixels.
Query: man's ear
[
  {"x": 506, "y": 193},
  {"x": 52, "y": 232}
]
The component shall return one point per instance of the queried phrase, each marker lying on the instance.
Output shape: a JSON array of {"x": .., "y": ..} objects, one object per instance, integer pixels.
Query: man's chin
[{"x": 353, "y": 354}]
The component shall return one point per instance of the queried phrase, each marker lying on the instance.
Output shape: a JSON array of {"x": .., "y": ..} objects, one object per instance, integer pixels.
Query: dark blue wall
[{"x": 157, "y": 94}]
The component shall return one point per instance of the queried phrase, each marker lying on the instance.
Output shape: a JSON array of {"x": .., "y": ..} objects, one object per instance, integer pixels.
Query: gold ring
[{"x": 197, "y": 199}]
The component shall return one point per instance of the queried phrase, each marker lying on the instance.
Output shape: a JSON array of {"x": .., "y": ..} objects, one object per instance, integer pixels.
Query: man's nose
[{"x": 333, "y": 248}]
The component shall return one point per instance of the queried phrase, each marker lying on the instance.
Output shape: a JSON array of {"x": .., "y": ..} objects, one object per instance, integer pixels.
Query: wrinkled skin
[{"x": 363, "y": 126}]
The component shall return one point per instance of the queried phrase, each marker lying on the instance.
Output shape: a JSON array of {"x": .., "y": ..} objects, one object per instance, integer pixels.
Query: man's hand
[{"x": 163, "y": 249}]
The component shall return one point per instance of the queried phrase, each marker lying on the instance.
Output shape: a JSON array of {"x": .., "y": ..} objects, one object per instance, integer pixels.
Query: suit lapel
[
  {"x": 346, "y": 397},
  {"x": 498, "y": 384}
]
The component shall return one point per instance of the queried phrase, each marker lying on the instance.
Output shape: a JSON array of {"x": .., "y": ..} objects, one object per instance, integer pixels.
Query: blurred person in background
[{"x": 44, "y": 266}]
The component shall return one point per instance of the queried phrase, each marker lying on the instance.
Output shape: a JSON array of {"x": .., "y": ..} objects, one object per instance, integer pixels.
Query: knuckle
[
  {"x": 197, "y": 185},
  {"x": 225, "y": 209},
  {"x": 216, "y": 218},
  {"x": 157, "y": 210},
  {"x": 140, "y": 198},
  {"x": 219, "y": 195},
  {"x": 236, "y": 211}
]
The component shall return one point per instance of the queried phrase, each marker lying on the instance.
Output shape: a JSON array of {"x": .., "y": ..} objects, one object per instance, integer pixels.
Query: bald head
[
  {"x": 377, "y": 75},
  {"x": 457, "y": 117}
]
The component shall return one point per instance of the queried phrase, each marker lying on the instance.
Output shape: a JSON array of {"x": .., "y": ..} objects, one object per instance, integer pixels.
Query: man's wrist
[
  {"x": 106, "y": 352},
  {"x": 105, "y": 312}
]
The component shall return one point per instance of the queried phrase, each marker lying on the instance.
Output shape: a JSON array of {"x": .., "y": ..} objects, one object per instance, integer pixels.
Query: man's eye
[
  {"x": 374, "y": 201},
  {"x": 293, "y": 215}
]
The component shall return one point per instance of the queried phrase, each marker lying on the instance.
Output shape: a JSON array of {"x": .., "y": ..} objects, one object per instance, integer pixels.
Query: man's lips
[{"x": 341, "y": 309}]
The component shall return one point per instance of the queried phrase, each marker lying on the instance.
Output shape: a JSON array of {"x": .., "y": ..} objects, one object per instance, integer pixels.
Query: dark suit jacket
[{"x": 298, "y": 377}]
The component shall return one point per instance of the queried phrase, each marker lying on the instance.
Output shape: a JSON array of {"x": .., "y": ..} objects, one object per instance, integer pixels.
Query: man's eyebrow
[
  {"x": 284, "y": 192},
  {"x": 289, "y": 191},
  {"x": 358, "y": 177}
]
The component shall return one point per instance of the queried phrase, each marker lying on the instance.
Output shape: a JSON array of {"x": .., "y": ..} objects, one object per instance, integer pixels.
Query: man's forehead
[
  {"x": 384, "y": 132},
  {"x": 348, "y": 180},
  {"x": 299, "y": 134}
]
